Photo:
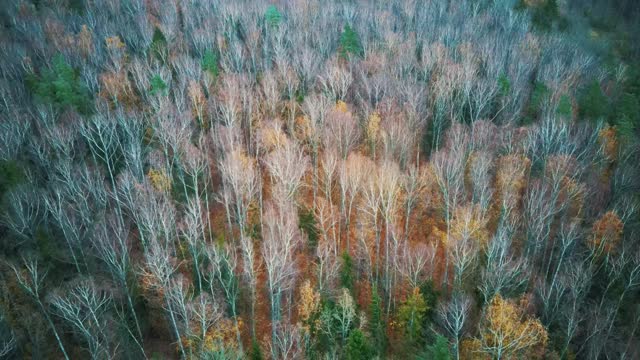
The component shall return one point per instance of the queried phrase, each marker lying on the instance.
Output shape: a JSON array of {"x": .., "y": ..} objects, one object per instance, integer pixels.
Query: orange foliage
[
  {"x": 114, "y": 43},
  {"x": 85, "y": 41},
  {"x": 308, "y": 304},
  {"x": 469, "y": 223},
  {"x": 342, "y": 107},
  {"x": 373, "y": 127},
  {"x": 606, "y": 233},
  {"x": 198, "y": 101},
  {"x": 508, "y": 333},
  {"x": 117, "y": 88},
  {"x": 272, "y": 136},
  {"x": 304, "y": 128},
  {"x": 56, "y": 35},
  {"x": 511, "y": 179},
  {"x": 222, "y": 334},
  {"x": 159, "y": 180},
  {"x": 608, "y": 139}
]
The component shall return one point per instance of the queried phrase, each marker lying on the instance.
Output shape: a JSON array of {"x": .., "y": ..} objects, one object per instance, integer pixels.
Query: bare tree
[
  {"x": 413, "y": 185},
  {"x": 352, "y": 174},
  {"x": 222, "y": 270},
  {"x": 113, "y": 246},
  {"x": 414, "y": 262},
  {"x": 327, "y": 264},
  {"x": 578, "y": 281},
  {"x": 341, "y": 132},
  {"x": 480, "y": 167},
  {"x": 346, "y": 314},
  {"x": 160, "y": 267},
  {"x": 336, "y": 81},
  {"x": 69, "y": 218},
  {"x": 84, "y": 307},
  {"x": 465, "y": 241},
  {"x": 504, "y": 272},
  {"x": 31, "y": 279},
  {"x": 287, "y": 165},
  {"x": 24, "y": 212},
  {"x": 289, "y": 342},
  {"x": 271, "y": 92},
  {"x": 281, "y": 239},
  {"x": 453, "y": 317},
  {"x": 315, "y": 108},
  {"x": 448, "y": 167},
  {"x": 240, "y": 186},
  {"x": 388, "y": 190}
]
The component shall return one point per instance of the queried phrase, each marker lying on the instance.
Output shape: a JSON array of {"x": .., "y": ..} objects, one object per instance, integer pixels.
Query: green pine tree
[
  {"x": 564, "y": 106},
  {"x": 358, "y": 347},
  {"x": 346, "y": 271},
  {"x": 256, "y": 352},
  {"x": 60, "y": 86},
  {"x": 272, "y": 16},
  {"x": 504, "y": 84},
  {"x": 411, "y": 314},
  {"x": 158, "y": 44},
  {"x": 439, "y": 350},
  {"x": 307, "y": 223},
  {"x": 593, "y": 104},
  {"x": 350, "y": 43},
  {"x": 157, "y": 85},
  {"x": 376, "y": 322},
  {"x": 210, "y": 63}
]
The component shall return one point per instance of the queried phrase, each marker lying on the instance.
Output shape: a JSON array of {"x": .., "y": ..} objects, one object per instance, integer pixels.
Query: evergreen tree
[
  {"x": 350, "y": 43},
  {"x": 439, "y": 350},
  {"x": 593, "y": 104},
  {"x": 307, "y": 223},
  {"x": 272, "y": 16},
  {"x": 564, "y": 106},
  {"x": 157, "y": 85},
  {"x": 358, "y": 347},
  {"x": 376, "y": 322},
  {"x": 346, "y": 271},
  {"x": 210, "y": 63},
  {"x": 60, "y": 86},
  {"x": 256, "y": 352},
  {"x": 158, "y": 44},
  {"x": 411, "y": 314}
]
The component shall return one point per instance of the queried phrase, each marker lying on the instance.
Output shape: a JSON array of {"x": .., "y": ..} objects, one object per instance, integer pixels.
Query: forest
[{"x": 305, "y": 179}]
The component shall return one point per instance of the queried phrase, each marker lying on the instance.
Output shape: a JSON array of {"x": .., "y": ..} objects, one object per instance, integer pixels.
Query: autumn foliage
[{"x": 319, "y": 179}]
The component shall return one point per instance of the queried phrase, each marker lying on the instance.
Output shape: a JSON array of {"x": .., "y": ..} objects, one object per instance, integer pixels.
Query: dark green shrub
[
  {"x": 564, "y": 108},
  {"x": 545, "y": 14},
  {"x": 11, "y": 174},
  {"x": 158, "y": 44},
  {"x": 593, "y": 104},
  {"x": 346, "y": 271},
  {"x": 307, "y": 223},
  {"x": 60, "y": 86},
  {"x": 210, "y": 63},
  {"x": 256, "y": 352},
  {"x": 538, "y": 97},
  {"x": 504, "y": 84},
  {"x": 627, "y": 116},
  {"x": 157, "y": 85}
]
